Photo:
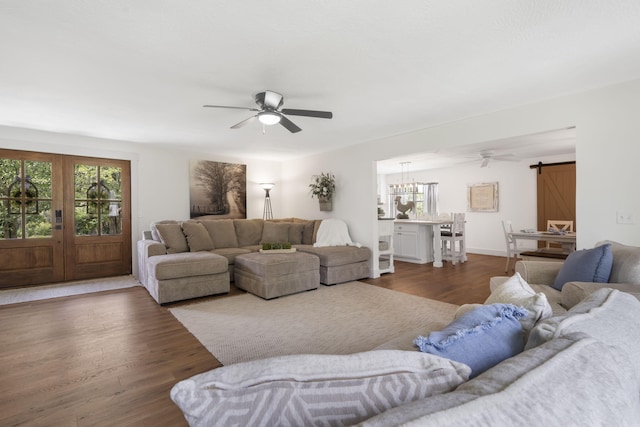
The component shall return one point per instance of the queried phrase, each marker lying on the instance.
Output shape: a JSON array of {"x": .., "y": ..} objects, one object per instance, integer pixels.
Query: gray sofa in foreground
[
  {"x": 188, "y": 259},
  {"x": 580, "y": 368}
]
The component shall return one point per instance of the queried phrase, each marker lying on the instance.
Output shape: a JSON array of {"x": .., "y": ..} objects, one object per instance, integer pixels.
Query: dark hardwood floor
[
  {"x": 456, "y": 284},
  {"x": 110, "y": 358}
]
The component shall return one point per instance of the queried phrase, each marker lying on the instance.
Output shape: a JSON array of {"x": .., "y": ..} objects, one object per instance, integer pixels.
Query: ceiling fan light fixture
[{"x": 269, "y": 118}]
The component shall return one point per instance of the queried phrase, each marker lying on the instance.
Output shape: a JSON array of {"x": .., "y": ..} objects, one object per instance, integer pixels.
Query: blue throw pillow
[
  {"x": 481, "y": 338},
  {"x": 587, "y": 265}
]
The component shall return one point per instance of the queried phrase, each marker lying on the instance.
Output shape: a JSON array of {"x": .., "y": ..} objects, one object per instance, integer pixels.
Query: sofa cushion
[
  {"x": 517, "y": 291},
  {"x": 626, "y": 263},
  {"x": 607, "y": 315},
  {"x": 481, "y": 338},
  {"x": 570, "y": 381},
  {"x": 186, "y": 264},
  {"x": 154, "y": 228},
  {"x": 295, "y": 233},
  {"x": 172, "y": 237},
  {"x": 275, "y": 232},
  {"x": 307, "y": 232},
  {"x": 248, "y": 231},
  {"x": 314, "y": 389},
  {"x": 587, "y": 265},
  {"x": 222, "y": 233},
  {"x": 197, "y": 236}
]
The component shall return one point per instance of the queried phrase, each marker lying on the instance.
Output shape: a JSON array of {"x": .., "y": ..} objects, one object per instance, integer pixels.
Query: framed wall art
[
  {"x": 482, "y": 197},
  {"x": 217, "y": 189}
]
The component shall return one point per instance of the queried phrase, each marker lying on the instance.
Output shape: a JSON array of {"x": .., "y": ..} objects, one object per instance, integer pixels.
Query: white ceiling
[
  {"x": 561, "y": 142},
  {"x": 140, "y": 70}
]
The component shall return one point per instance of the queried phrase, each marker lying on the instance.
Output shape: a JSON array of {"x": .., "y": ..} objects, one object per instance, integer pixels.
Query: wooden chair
[
  {"x": 559, "y": 225},
  {"x": 512, "y": 245},
  {"x": 453, "y": 241}
]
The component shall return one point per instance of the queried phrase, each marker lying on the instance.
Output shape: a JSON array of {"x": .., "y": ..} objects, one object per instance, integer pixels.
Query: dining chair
[
  {"x": 512, "y": 245},
  {"x": 560, "y": 225},
  {"x": 453, "y": 240},
  {"x": 445, "y": 217},
  {"x": 557, "y": 225}
]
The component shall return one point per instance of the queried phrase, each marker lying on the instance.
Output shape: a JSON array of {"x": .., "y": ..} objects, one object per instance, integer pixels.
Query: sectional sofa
[
  {"x": 179, "y": 260},
  {"x": 576, "y": 365}
]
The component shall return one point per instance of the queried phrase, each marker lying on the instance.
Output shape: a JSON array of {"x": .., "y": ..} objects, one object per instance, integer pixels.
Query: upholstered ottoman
[
  {"x": 274, "y": 275},
  {"x": 340, "y": 264}
]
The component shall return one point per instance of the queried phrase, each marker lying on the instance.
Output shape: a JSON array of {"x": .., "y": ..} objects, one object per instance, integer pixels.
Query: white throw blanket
[{"x": 333, "y": 232}]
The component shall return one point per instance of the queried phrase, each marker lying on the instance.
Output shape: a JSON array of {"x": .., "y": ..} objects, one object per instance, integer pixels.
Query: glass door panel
[
  {"x": 25, "y": 196},
  {"x": 98, "y": 197}
]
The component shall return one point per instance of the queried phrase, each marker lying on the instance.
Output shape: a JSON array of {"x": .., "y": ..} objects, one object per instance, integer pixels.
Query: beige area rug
[
  {"x": 340, "y": 319},
  {"x": 34, "y": 293}
]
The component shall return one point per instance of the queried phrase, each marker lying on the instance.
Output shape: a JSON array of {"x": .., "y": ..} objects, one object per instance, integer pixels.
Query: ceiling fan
[
  {"x": 488, "y": 156},
  {"x": 271, "y": 113}
]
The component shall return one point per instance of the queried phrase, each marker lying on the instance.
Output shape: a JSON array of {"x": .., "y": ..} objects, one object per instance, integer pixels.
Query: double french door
[{"x": 62, "y": 218}]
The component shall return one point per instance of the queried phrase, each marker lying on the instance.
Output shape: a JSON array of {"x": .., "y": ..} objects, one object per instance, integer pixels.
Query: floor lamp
[{"x": 267, "y": 213}]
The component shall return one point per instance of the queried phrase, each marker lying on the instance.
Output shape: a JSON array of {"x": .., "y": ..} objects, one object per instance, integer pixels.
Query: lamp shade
[{"x": 267, "y": 185}]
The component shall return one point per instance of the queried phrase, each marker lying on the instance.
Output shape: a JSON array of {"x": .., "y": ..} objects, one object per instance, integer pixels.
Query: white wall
[{"x": 607, "y": 150}]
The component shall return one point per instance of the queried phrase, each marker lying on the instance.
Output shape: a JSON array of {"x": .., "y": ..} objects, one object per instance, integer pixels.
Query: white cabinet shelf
[{"x": 385, "y": 246}]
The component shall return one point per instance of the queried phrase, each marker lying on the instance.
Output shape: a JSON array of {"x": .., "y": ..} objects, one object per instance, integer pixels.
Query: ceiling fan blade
[
  {"x": 292, "y": 127},
  {"x": 308, "y": 113},
  {"x": 235, "y": 108},
  {"x": 244, "y": 122},
  {"x": 272, "y": 100}
]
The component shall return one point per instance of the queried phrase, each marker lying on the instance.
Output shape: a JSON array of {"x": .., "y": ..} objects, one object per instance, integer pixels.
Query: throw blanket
[{"x": 333, "y": 232}]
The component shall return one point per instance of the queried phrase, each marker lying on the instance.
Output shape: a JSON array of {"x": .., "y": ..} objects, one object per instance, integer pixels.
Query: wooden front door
[
  {"x": 556, "y": 193},
  {"x": 62, "y": 218}
]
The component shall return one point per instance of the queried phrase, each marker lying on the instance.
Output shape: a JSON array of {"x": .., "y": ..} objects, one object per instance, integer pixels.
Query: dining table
[{"x": 566, "y": 239}]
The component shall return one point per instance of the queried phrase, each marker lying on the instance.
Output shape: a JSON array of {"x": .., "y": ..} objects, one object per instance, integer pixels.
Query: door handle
[{"x": 58, "y": 219}]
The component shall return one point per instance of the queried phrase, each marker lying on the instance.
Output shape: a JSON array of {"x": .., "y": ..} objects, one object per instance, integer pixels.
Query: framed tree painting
[
  {"x": 483, "y": 197},
  {"x": 217, "y": 189}
]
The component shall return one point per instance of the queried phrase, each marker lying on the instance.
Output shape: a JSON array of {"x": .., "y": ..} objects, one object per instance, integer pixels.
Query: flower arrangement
[{"x": 323, "y": 186}]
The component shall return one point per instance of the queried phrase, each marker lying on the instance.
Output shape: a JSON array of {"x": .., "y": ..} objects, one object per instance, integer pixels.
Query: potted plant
[{"x": 323, "y": 187}]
